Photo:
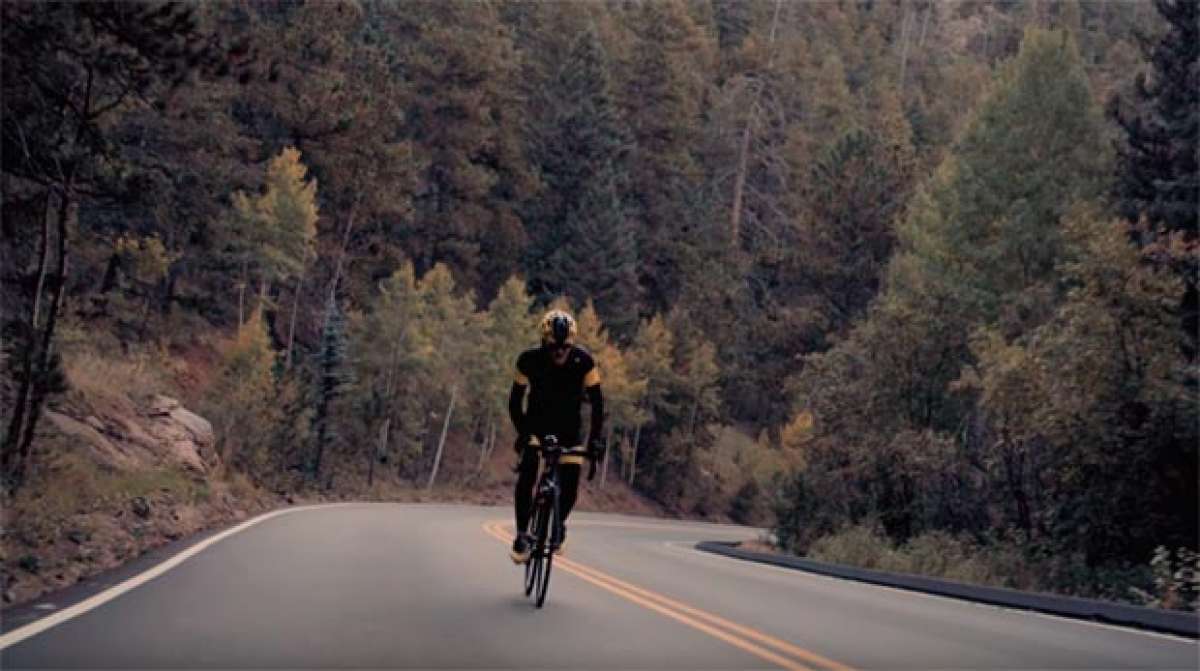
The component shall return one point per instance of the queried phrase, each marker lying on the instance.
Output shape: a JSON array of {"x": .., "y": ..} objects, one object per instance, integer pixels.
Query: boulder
[
  {"x": 183, "y": 436},
  {"x": 162, "y": 405},
  {"x": 103, "y": 449},
  {"x": 140, "y": 507},
  {"x": 163, "y": 433},
  {"x": 201, "y": 430}
]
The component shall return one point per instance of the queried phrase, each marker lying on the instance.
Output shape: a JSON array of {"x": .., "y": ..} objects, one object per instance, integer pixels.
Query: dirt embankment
[{"x": 114, "y": 477}]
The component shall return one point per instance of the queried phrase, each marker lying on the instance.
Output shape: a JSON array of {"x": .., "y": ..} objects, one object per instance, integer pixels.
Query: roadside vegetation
[{"x": 911, "y": 283}]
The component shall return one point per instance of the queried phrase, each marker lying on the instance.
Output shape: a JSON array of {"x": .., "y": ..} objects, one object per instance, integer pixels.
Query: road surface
[{"x": 387, "y": 586}]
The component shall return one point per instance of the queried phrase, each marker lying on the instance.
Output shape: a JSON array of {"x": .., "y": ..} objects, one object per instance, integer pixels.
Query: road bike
[{"x": 546, "y": 522}]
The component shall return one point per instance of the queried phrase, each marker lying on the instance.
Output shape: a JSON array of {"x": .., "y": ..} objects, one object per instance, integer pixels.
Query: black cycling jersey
[{"x": 555, "y": 394}]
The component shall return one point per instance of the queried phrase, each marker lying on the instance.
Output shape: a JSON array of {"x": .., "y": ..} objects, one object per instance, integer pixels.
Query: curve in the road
[
  {"x": 38, "y": 626},
  {"x": 737, "y": 635}
]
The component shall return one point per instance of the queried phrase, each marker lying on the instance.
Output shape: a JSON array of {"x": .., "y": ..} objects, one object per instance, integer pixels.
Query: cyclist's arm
[
  {"x": 596, "y": 400},
  {"x": 516, "y": 396}
]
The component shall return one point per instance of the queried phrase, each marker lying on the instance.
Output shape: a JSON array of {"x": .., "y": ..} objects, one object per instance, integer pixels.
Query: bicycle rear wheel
[{"x": 548, "y": 520}]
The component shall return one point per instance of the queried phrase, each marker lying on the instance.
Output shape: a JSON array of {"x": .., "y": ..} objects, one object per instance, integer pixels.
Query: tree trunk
[
  {"x": 168, "y": 295},
  {"x": 905, "y": 38},
  {"x": 292, "y": 324},
  {"x": 39, "y": 390},
  {"x": 242, "y": 298},
  {"x": 607, "y": 455},
  {"x": 42, "y": 259},
  {"x": 692, "y": 421},
  {"x": 739, "y": 182},
  {"x": 987, "y": 34},
  {"x": 637, "y": 436},
  {"x": 437, "y": 457},
  {"x": 264, "y": 287},
  {"x": 487, "y": 440},
  {"x": 17, "y": 421},
  {"x": 925, "y": 24},
  {"x": 337, "y": 268},
  {"x": 388, "y": 389},
  {"x": 379, "y": 447}
]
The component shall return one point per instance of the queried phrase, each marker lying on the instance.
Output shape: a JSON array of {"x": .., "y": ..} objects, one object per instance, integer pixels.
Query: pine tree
[
  {"x": 661, "y": 96},
  {"x": 458, "y": 58},
  {"x": 1157, "y": 169},
  {"x": 1158, "y": 177},
  {"x": 583, "y": 240},
  {"x": 331, "y": 379},
  {"x": 603, "y": 256},
  {"x": 853, "y": 193},
  {"x": 985, "y": 234}
]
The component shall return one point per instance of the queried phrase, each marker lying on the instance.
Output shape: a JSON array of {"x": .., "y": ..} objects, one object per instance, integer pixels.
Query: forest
[{"x": 913, "y": 283}]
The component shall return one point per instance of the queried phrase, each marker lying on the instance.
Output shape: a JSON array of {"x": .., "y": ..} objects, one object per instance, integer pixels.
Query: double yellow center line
[{"x": 757, "y": 643}]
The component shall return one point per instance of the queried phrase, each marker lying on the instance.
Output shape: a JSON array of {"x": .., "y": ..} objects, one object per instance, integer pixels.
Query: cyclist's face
[{"x": 559, "y": 353}]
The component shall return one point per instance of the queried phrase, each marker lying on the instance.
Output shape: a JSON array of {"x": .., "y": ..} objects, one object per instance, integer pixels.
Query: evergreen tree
[
  {"x": 662, "y": 92},
  {"x": 602, "y": 256},
  {"x": 1158, "y": 177},
  {"x": 458, "y": 58},
  {"x": 1157, "y": 170},
  {"x": 853, "y": 193},
  {"x": 984, "y": 235},
  {"x": 583, "y": 241},
  {"x": 331, "y": 378}
]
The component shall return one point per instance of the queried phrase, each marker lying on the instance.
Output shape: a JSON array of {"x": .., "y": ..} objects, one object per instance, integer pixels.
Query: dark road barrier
[{"x": 1182, "y": 623}]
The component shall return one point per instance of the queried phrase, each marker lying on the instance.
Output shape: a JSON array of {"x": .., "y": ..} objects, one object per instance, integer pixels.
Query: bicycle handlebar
[{"x": 558, "y": 451}]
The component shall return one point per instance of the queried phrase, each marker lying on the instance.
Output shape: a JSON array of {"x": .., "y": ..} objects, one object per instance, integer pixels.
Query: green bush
[{"x": 934, "y": 554}]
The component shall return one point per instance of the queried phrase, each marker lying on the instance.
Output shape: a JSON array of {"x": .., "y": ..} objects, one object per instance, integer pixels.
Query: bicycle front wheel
[
  {"x": 533, "y": 564},
  {"x": 549, "y": 519}
]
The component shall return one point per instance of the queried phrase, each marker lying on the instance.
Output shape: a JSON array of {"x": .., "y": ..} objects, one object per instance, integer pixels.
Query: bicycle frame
[{"x": 546, "y": 507}]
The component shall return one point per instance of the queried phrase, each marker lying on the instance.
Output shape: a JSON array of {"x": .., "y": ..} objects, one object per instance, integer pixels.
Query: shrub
[{"x": 1176, "y": 576}]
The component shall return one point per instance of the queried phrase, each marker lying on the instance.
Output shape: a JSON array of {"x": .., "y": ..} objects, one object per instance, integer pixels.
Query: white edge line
[
  {"x": 34, "y": 628},
  {"x": 682, "y": 546}
]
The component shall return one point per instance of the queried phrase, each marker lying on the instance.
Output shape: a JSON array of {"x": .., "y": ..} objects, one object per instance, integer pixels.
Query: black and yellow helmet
[{"x": 558, "y": 328}]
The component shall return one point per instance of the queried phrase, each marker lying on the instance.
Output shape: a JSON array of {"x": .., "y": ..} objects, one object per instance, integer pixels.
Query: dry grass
[
  {"x": 70, "y": 484},
  {"x": 934, "y": 554},
  {"x": 95, "y": 378}
]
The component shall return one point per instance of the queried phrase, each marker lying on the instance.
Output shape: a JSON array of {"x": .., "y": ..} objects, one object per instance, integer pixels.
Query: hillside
[
  {"x": 890, "y": 276},
  {"x": 125, "y": 469}
]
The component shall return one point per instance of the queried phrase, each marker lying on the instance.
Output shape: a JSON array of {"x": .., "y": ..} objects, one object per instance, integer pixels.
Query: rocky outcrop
[
  {"x": 125, "y": 437},
  {"x": 187, "y": 437}
]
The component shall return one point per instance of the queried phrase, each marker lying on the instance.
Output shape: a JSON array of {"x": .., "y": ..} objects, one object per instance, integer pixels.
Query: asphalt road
[{"x": 386, "y": 586}]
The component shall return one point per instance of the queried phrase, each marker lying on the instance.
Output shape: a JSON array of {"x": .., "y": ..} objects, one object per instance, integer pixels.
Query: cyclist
[{"x": 557, "y": 375}]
